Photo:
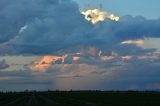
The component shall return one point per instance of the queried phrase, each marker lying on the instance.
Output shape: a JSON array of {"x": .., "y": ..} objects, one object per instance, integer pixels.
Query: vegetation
[{"x": 80, "y": 98}]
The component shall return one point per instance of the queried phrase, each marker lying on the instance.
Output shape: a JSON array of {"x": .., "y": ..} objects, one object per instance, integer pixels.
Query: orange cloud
[
  {"x": 76, "y": 59},
  {"x": 126, "y": 57},
  {"x": 78, "y": 53},
  {"x": 46, "y": 62},
  {"x": 137, "y": 42}
]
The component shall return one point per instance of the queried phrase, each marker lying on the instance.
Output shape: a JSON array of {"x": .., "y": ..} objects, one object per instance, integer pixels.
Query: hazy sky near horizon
[{"x": 79, "y": 45}]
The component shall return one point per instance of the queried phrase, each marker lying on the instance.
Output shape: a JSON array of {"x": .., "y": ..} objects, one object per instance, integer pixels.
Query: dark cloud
[
  {"x": 133, "y": 50},
  {"x": 135, "y": 75},
  {"x": 57, "y": 25},
  {"x": 15, "y": 14},
  {"x": 25, "y": 80},
  {"x": 137, "y": 27}
]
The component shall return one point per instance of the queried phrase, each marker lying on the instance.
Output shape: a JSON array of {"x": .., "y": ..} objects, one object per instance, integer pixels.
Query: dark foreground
[{"x": 80, "y": 98}]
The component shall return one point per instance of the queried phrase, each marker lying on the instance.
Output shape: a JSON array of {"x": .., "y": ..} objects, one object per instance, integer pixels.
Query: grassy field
[{"x": 80, "y": 98}]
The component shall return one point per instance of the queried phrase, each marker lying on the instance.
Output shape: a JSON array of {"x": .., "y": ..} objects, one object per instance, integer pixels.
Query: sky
[
  {"x": 147, "y": 8},
  {"x": 79, "y": 45}
]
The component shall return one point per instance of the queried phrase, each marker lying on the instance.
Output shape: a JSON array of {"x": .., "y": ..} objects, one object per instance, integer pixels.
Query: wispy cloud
[{"x": 137, "y": 42}]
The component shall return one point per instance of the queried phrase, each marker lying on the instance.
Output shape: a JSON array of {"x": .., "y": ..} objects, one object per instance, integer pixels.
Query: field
[{"x": 80, "y": 98}]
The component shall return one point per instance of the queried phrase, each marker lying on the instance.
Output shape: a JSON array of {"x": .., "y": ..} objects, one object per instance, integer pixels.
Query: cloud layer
[
  {"x": 105, "y": 55},
  {"x": 139, "y": 72}
]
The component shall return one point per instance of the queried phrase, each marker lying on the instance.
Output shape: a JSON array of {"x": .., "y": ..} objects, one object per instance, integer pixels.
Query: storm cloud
[{"x": 44, "y": 27}]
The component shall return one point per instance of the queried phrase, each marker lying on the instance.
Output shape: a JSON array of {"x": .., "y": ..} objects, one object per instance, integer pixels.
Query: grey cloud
[
  {"x": 3, "y": 64},
  {"x": 15, "y": 14},
  {"x": 114, "y": 74},
  {"x": 25, "y": 80},
  {"x": 57, "y": 25},
  {"x": 137, "y": 27},
  {"x": 133, "y": 50},
  {"x": 135, "y": 75}
]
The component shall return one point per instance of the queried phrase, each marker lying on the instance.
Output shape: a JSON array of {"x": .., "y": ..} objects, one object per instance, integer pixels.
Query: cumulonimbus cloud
[
  {"x": 52, "y": 27},
  {"x": 40, "y": 29}
]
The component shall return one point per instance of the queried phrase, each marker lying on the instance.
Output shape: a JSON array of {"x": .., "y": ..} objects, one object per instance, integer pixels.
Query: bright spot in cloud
[
  {"x": 96, "y": 15},
  {"x": 23, "y": 29}
]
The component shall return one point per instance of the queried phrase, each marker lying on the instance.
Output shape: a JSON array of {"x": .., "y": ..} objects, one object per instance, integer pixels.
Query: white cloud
[
  {"x": 96, "y": 15},
  {"x": 23, "y": 29}
]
